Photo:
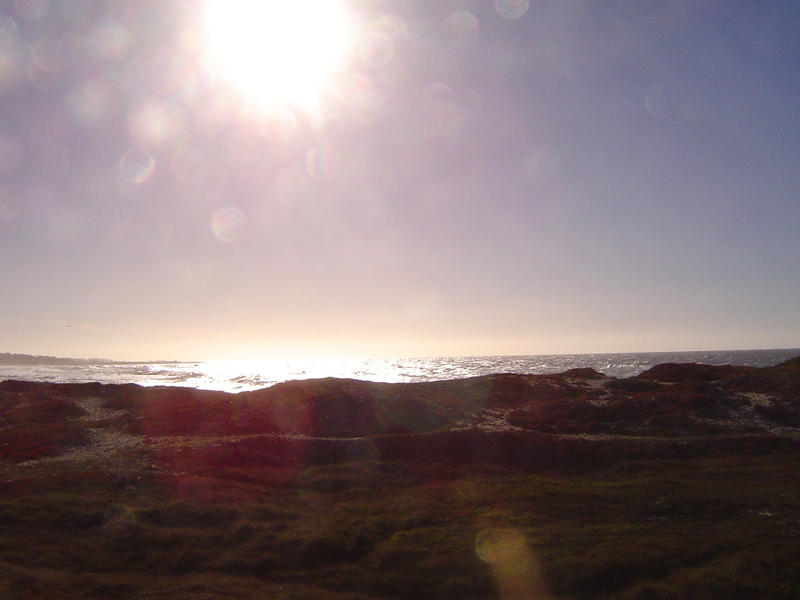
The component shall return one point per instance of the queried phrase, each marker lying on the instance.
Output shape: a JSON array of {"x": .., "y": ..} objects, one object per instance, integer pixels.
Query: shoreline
[
  {"x": 343, "y": 489},
  {"x": 668, "y": 400},
  {"x": 236, "y": 376}
]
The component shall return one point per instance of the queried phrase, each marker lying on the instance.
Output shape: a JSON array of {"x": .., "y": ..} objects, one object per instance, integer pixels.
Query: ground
[{"x": 681, "y": 482}]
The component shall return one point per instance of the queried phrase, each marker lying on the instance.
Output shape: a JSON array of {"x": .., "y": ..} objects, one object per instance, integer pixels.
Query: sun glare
[{"x": 278, "y": 53}]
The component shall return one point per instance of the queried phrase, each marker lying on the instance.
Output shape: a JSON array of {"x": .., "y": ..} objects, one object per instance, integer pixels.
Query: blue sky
[{"x": 584, "y": 177}]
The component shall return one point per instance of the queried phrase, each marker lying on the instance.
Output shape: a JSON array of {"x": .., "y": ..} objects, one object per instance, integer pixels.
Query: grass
[
  {"x": 701, "y": 528},
  {"x": 211, "y": 506}
]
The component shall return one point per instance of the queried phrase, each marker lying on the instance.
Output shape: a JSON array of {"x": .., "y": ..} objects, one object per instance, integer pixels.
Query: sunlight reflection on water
[{"x": 243, "y": 375}]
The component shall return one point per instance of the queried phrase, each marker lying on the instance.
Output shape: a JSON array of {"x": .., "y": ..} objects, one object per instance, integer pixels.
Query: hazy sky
[{"x": 480, "y": 178}]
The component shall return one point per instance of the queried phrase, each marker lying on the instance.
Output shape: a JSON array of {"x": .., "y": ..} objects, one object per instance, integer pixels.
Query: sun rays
[{"x": 275, "y": 54}]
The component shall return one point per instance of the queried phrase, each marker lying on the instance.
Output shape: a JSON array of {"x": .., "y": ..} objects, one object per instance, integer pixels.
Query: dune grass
[
  {"x": 716, "y": 527},
  {"x": 654, "y": 490}
]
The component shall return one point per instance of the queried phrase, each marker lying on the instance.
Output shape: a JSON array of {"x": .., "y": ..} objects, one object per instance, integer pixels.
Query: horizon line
[{"x": 407, "y": 357}]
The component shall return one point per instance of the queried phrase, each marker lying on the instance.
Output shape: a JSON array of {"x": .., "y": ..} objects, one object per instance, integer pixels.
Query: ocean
[{"x": 243, "y": 375}]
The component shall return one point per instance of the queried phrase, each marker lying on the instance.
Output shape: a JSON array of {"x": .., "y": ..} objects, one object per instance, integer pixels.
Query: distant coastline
[
  {"x": 16, "y": 359},
  {"x": 8, "y": 358}
]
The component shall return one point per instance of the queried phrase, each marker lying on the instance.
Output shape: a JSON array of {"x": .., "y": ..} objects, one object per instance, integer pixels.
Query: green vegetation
[
  {"x": 703, "y": 528},
  {"x": 677, "y": 484}
]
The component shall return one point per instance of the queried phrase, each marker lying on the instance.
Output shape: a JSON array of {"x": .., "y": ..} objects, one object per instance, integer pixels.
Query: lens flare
[
  {"x": 154, "y": 123},
  {"x": 13, "y": 54},
  {"x": 392, "y": 26},
  {"x": 513, "y": 564},
  {"x": 227, "y": 224},
  {"x": 462, "y": 28},
  {"x": 322, "y": 162},
  {"x": 136, "y": 166},
  {"x": 511, "y": 9},
  {"x": 660, "y": 102},
  {"x": 375, "y": 48}
]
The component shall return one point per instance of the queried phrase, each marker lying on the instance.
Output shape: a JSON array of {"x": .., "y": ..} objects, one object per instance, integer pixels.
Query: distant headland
[{"x": 9, "y": 358}]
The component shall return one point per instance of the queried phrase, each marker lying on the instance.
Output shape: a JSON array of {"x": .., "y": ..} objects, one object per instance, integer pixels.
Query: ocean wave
[{"x": 237, "y": 376}]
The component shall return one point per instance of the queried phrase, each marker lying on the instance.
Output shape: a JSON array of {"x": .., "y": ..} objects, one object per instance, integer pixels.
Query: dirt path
[{"x": 104, "y": 444}]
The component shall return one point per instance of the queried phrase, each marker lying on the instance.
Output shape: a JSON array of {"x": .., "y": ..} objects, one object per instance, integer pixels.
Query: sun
[{"x": 278, "y": 54}]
